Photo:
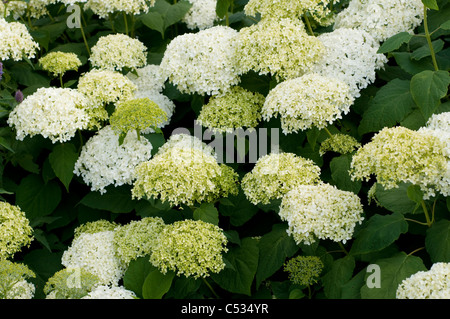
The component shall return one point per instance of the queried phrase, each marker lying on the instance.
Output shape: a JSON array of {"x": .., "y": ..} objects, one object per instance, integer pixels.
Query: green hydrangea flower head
[
  {"x": 95, "y": 227},
  {"x": 13, "y": 280},
  {"x": 304, "y": 270},
  {"x": 275, "y": 174},
  {"x": 235, "y": 109},
  {"x": 138, "y": 114},
  {"x": 70, "y": 283},
  {"x": 137, "y": 238},
  {"x": 339, "y": 143},
  {"x": 190, "y": 248},
  {"x": 15, "y": 230},
  {"x": 59, "y": 63}
]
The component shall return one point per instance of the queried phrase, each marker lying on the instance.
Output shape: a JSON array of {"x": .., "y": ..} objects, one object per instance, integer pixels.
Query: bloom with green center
[
  {"x": 308, "y": 101},
  {"x": 137, "y": 238},
  {"x": 59, "y": 63},
  {"x": 238, "y": 108},
  {"x": 304, "y": 270},
  {"x": 94, "y": 227},
  {"x": 190, "y": 248},
  {"x": 70, "y": 283},
  {"x": 13, "y": 280},
  {"x": 137, "y": 114},
  {"x": 15, "y": 230},
  {"x": 275, "y": 174},
  {"x": 399, "y": 154},
  {"x": 339, "y": 143}
]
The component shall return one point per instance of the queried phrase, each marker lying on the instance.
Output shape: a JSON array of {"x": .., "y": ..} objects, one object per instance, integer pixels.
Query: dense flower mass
[
  {"x": 350, "y": 56},
  {"x": 103, "y": 161},
  {"x": 54, "y": 113},
  {"x": 163, "y": 102},
  {"x": 190, "y": 248},
  {"x": 59, "y": 63},
  {"x": 14, "y": 281},
  {"x": 399, "y": 155},
  {"x": 148, "y": 79},
  {"x": 203, "y": 62},
  {"x": 15, "y": 41},
  {"x": 276, "y": 174},
  {"x": 137, "y": 238},
  {"x": 107, "y": 292},
  {"x": 304, "y": 270},
  {"x": 104, "y": 8},
  {"x": 339, "y": 143},
  {"x": 15, "y": 230},
  {"x": 184, "y": 175},
  {"x": 94, "y": 227},
  {"x": 309, "y": 101},
  {"x": 280, "y": 47},
  {"x": 381, "y": 18},
  {"x": 238, "y": 108},
  {"x": 431, "y": 284},
  {"x": 201, "y": 15},
  {"x": 320, "y": 212},
  {"x": 117, "y": 52},
  {"x": 439, "y": 126},
  {"x": 70, "y": 283},
  {"x": 32, "y": 8}
]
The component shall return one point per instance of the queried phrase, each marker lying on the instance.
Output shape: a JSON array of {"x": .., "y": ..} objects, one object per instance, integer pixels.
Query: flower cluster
[
  {"x": 163, "y": 102},
  {"x": 104, "y": 8},
  {"x": 201, "y": 15},
  {"x": 148, "y": 78},
  {"x": 15, "y": 230},
  {"x": 311, "y": 100},
  {"x": 117, "y": 52},
  {"x": 399, "y": 154},
  {"x": 339, "y": 143},
  {"x": 320, "y": 212},
  {"x": 204, "y": 62},
  {"x": 439, "y": 126},
  {"x": 54, "y": 113},
  {"x": 280, "y": 47},
  {"x": 350, "y": 56},
  {"x": 32, "y": 8},
  {"x": 94, "y": 227},
  {"x": 431, "y": 284},
  {"x": 137, "y": 238},
  {"x": 275, "y": 174},
  {"x": 70, "y": 283},
  {"x": 381, "y": 18},
  {"x": 190, "y": 248},
  {"x": 238, "y": 108},
  {"x": 104, "y": 161},
  {"x": 13, "y": 280},
  {"x": 184, "y": 175},
  {"x": 59, "y": 63},
  {"x": 107, "y": 292},
  {"x": 304, "y": 270},
  {"x": 15, "y": 41}
]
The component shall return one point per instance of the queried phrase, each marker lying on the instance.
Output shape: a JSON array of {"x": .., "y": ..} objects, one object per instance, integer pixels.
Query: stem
[
  {"x": 84, "y": 39},
  {"x": 210, "y": 288},
  {"x": 416, "y": 250},
  {"x": 415, "y": 221},
  {"x": 309, "y": 292},
  {"x": 112, "y": 23},
  {"x": 308, "y": 24},
  {"x": 81, "y": 141},
  {"x": 343, "y": 248},
  {"x": 328, "y": 132},
  {"x": 427, "y": 216},
  {"x": 126, "y": 22},
  {"x": 60, "y": 80},
  {"x": 427, "y": 35}
]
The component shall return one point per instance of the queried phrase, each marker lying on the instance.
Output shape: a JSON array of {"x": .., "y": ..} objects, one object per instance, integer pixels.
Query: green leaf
[
  {"x": 156, "y": 284},
  {"x": 207, "y": 213},
  {"x": 222, "y": 7},
  {"x": 340, "y": 166},
  {"x": 242, "y": 210},
  {"x": 415, "y": 193},
  {"x": 136, "y": 273},
  {"x": 25, "y": 75},
  {"x": 432, "y": 4},
  {"x": 62, "y": 160},
  {"x": 425, "y": 51},
  {"x": 379, "y": 232},
  {"x": 437, "y": 241},
  {"x": 404, "y": 60},
  {"x": 116, "y": 200},
  {"x": 391, "y": 104},
  {"x": 393, "y": 271},
  {"x": 154, "y": 21},
  {"x": 427, "y": 88},
  {"x": 340, "y": 273},
  {"x": 445, "y": 25},
  {"x": 394, "y": 42},
  {"x": 351, "y": 290},
  {"x": 396, "y": 200},
  {"x": 244, "y": 259},
  {"x": 274, "y": 248},
  {"x": 36, "y": 198}
]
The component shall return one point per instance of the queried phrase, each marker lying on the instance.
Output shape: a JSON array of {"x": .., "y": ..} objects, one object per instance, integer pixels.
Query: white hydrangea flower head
[
  {"x": 118, "y": 51},
  {"x": 350, "y": 56},
  {"x": 431, "y": 284},
  {"x": 104, "y": 8},
  {"x": 320, "y": 212},
  {"x": 148, "y": 78},
  {"x": 201, "y": 15},
  {"x": 381, "y": 18},
  {"x": 21, "y": 290},
  {"x": 188, "y": 142},
  {"x": 14, "y": 282},
  {"x": 311, "y": 100},
  {"x": 54, "y": 113},
  {"x": 204, "y": 62},
  {"x": 33, "y": 8},
  {"x": 96, "y": 253},
  {"x": 164, "y": 103},
  {"x": 103, "y": 162},
  {"x": 16, "y": 42},
  {"x": 439, "y": 126},
  {"x": 107, "y": 292},
  {"x": 280, "y": 47}
]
